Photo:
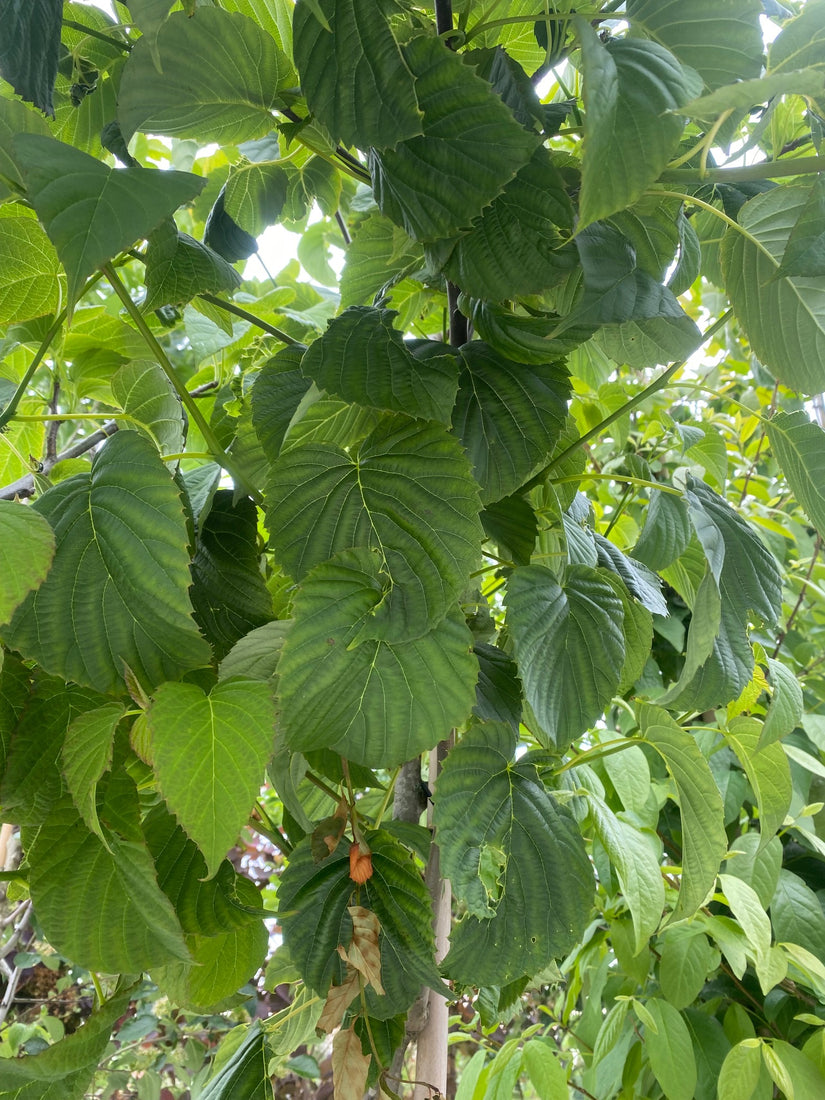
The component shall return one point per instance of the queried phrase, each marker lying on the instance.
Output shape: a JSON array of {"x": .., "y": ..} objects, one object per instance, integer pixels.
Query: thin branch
[
  {"x": 784, "y": 633},
  {"x": 239, "y": 311},
  {"x": 764, "y": 170},
  {"x": 11, "y": 408},
  {"x": 92, "y": 33},
  {"x": 54, "y": 427},
  {"x": 342, "y": 225}
]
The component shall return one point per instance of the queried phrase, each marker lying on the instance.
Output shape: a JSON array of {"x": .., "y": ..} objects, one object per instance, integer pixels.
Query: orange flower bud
[{"x": 360, "y": 864}]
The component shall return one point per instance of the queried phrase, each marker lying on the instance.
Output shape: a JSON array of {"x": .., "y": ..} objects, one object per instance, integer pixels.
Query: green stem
[
  {"x": 92, "y": 33},
  {"x": 596, "y": 753},
  {"x": 491, "y": 24},
  {"x": 385, "y": 801},
  {"x": 239, "y": 311},
  {"x": 623, "y": 478},
  {"x": 628, "y": 407},
  {"x": 11, "y": 408},
  {"x": 764, "y": 170},
  {"x": 711, "y": 209},
  {"x": 186, "y": 398}
]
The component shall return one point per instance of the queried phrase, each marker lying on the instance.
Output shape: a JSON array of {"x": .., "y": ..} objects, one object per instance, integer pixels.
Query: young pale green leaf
[
  {"x": 92, "y": 212},
  {"x": 768, "y": 772},
  {"x": 799, "y": 447},
  {"x": 752, "y": 918},
  {"x": 64, "y": 1071},
  {"x": 219, "y": 966},
  {"x": 73, "y": 874},
  {"x": 178, "y": 267},
  {"x": 784, "y": 318},
  {"x": 229, "y": 593},
  {"x": 15, "y": 118},
  {"x": 722, "y": 42},
  {"x": 362, "y": 358},
  {"x": 375, "y": 702},
  {"x": 703, "y": 832},
  {"x": 508, "y": 416},
  {"x": 670, "y": 1051},
  {"x": 796, "y": 914},
  {"x": 221, "y": 74},
  {"x": 87, "y": 753},
  {"x": 569, "y": 646},
  {"x": 741, "y": 1070},
  {"x": 30, "y": 283},
  {"x": 354, "y": 74},
  {"x": 471, "y": 146},
  {"x": 406, "y": 492},
  {"x": 795, "y": 1074},
  {"x": 491, "y": 812},
  {"x": 631, "y": 91},
  {"x": 395, "y": 893},
  {"x": 547, "y": 1074},
  {"x": 117, "y": 593},
  {"x": 516, "y": 246},
  {"x": 210, "y": 752},
  {"x": 26, "y": 551},
  {"x": 686, "y": 957},
  {"x": 244, "y": 1074},
  {"x": 145, "y": 393}
]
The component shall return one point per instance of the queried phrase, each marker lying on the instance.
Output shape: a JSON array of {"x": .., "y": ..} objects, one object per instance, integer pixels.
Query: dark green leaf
[
  {"x": 379, "y": 252},
  {"x": 255, "y": 195},
  {"x": 525, "y": 339},
  {"x": 178, "y": 267},
  {"x": 244, "y": 1075},
  {"x": 642, "y": 584},
  {"x": 710, "y": 1045},
  {"x": 569, "y": 646},
  {"x": 224, "y": 236},
  {"x": 787, "y": 703},
  {"x": 508, "y": 416},
  {"x": 498, "y": 692},
  {"x": 436, "y": 184},
  {"x": 513, "y": 525},
  {"x": 276, "y": 394},
  {"x": 354, "y": 73},
  {"x": 796, "y": 914},
  {"x": 407, "y": 493},
  {"x": 117, "y": 592},
  {"x": 491, "y": 811},
  {"x": 665, "y": 534},
  {"x": 376, "y": 703},
  {"x": 510, "y": 81},
  {"x": 229, "y": 593},
  {"x": 395, "y": 893},
  {"x": 92, "y": 212},
  {"x": 798, "y": 445},
  {"x": 29, "y": 49}
]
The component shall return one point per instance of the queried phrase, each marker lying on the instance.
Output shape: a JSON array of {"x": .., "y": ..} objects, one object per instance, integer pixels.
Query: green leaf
[
  {"x": 723, "y": 43},
  {"x": 513, "y": 525},
  {"x": 515, "y": 247},
  {"x": 755, "y": 864},
  {"x": 796, "y": 914},
  {"x": 277, "y": 393},
  {"x": 666, "y": 532},
  {"x": 670, "y": 1051},
  {"x": 220, "y": 965},
  {"x": 799, "y": 1076},
  {"x": 710, "y": 1048},
  {"x": 354, "y": 73},
  {"x": 498, "y": 691},
  {"x": 376, "y": 703},
  {"x": 91, "y": 212},
  {"x": 805, "y": 251},
  {"x": 29, "y": 271},
  {"x": 256, "y": 655},
  {"x": 508, "y": 416},
  {"x": 26, "y": 553},
  {"x": 150, "y": 15},
  {"x": 144, "y": 392},
  {"x": 210, "y": 752},
  {"x": 223, "y": 235},
  {"x": 229, "y": 593},
  {"x": 117, "y": 592},
  {"x": 379, "y": 253},
  {"x": 15, "y": 118},
  {"x": 471, "y": 146},
  {"x": 30, "y": 49},
  {"x": 651, "y": 341},
  {"x": 703, "y": 832},
  {"x": 569, "y": 646},
  {"x": 799, "y": 447},
  {"x": 492, "y": 810},
  {"x": 219, "y": 80},
  {"x": 87, "y": 754},
  {"x": 686, "y": 957},
  {"x": 255, "y": 195},
  {"x": 741, "y": 1070},
  {"x": 637, "y": 867},
  {"x": 244, "y": 1075},
  {"x": 640, "y": 582},
  {"x": 64, "y": 1071},
  {"x": 314, "y": 899},
  {"x": 73, "y": 874},
  {"x": 768, "y": 773},
  {"x": 746, "y": 94},
  {"x": 361, "y": 358},
  {"x": 178, "y": 267},
  {"x": 547, "y": 1074},
  {"x": 631, "y": 91},
  {"x": 749, "y": 914},
  {"x": 800, "y": 42},
  {"x": 407, "y": 493},
  {"x": 784, "y": 318}
]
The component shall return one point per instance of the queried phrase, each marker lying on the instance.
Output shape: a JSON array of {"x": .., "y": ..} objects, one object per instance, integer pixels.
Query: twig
[
  {"x": 784, "y": 633},
  {"x": 54, "y": 426}
]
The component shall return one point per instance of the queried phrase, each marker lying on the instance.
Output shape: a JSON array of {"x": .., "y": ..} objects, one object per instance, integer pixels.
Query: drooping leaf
[
  {"x": 30, "y": 48},
  {"x": 798, "y": 445},
  {"x": 74, "y": 875},
  {"x": 92, "y": 212},
  {"x": 471, "y": 146},
  {"x": 805, "y": 251},
  {"x": 210, "y": 752},
  {"x": 350, "y": 1065},
  {"x": 150, "y": 15},
  {"x": 670, "y": 1051},
  {"x": 354, "y": 74},
  {"x": 375, "y": 702},
  {"x": 145, "y": 393},
  {"x": 219, "y": 79},
  {"x": 787, "y": 704},
  {"x": 26, "y": 553},
  {"x": 229, "y": 593},
  {"x": 117, "y": 593},
  {"x": 15, "y": 118},
  {"x": 631, "y": 91},
  {"x": 723, "y": 43},
  {"x": 569, "y": 646},
  {"x": 220, "y": 965},
  {"x": 362, "y": 358},
  {"x": 768, "y": 772},
  {"x": 703, "y": 833},
  {"x": 395, "y": 894},
  {"x": 30, "y": 283},
  {"x": 651, "y": 341},
  {"x": 666, "y": 532},
  {"x": 277, "y": 393},
  {"x": 223, "y": 235},
  {"x": 498, "y": 692},
  {"x": 243, "y": 1075},
  {"x": 508, "y": 416},
  {"x": 487, "y": 806},
  {"x": 86, "y": 755},
  {"x": 178, "y": 267},
  {"x": 640, "y": 581},
  {"x": 796, "y": 914},
  {"x": 545, "y": 1070},
  {"x": 407, "y": 493},
  {"x": 784, "y": 318}
]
